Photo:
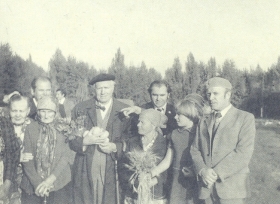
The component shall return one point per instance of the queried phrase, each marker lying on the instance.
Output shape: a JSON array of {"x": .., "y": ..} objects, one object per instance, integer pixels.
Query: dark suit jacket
[
  {"x": 170, "y": 113},
  {"x": 33, "y": 109},
  {"x": 117, "y": 127},
  {"x": 230, "y": 154},
  {"x": 68, "y": 106}
]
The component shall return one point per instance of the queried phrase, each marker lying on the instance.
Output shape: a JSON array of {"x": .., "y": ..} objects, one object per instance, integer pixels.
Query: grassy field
[{"x": 265, "y": 165}]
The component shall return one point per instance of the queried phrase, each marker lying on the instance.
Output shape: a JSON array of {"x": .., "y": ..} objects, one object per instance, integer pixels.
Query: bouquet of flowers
[
  {"x": 140, "y": 163},
  {"x": 76, "y": 128}
]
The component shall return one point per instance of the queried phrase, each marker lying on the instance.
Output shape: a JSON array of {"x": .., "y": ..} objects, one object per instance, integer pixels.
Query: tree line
[{"x": 254, "y": 90}]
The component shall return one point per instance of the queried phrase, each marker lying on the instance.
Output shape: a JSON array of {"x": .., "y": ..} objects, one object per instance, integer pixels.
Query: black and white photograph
[{"x": 139, "y": 102}]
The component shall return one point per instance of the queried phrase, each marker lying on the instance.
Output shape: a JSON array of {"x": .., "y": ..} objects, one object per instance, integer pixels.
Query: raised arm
[{"x": 164, "y": 164}]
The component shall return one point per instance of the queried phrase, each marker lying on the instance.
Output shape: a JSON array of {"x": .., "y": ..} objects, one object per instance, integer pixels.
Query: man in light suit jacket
[
  {"x": 65, "y": 104},
  {"x": 223, "y": 148}
]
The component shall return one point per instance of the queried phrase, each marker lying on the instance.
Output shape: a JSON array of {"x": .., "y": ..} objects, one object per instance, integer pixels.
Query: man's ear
[
  {"x": 28, "y": 111},
  {"x": 32, "y": 92},
  {"x": 228, "y": 94}
]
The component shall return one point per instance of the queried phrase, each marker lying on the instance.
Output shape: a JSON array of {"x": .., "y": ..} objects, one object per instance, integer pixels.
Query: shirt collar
[
  {"x": 61, "y": 101},
  {"x": 224, "y": 111},
  {"x": 107, "y": 105},
  {"x": 35, "y": 102},
  {"x": 163, "y": 108}
]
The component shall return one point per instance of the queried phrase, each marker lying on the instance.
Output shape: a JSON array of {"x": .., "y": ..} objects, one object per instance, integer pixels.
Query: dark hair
[
  {"x": 40, "y": 78},
  {"x": 62, "y": 91},
  {"x": 17, "y": 97},
  {"x": 190, "y": 109},
  {"x": 159, "y": 83}
]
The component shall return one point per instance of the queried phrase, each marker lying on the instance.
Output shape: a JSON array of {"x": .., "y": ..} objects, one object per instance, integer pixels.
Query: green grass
[{"x": 265, "y": 166}]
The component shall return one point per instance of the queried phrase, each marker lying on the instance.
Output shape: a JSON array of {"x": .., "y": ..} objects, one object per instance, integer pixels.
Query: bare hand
[
  {"x": 108, "y": 147},
  {"x": 43, "y": 188},
  {"x": 187, "y": 171},
  {"x": 4, "y": 189},
  {"x": 95, "y": 136},
  {"x": 3, "y": 192},
  {"x": 209, "y": 176},
  {"x": 132, "y": 109},
  {"x": 25, "y": 157}
]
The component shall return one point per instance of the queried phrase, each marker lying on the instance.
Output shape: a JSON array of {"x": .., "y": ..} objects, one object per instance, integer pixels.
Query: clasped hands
[
  {"x": 43, "y": 188},
  {"x": 99, "y": 136},
  {"x": 208, "y": 176}
]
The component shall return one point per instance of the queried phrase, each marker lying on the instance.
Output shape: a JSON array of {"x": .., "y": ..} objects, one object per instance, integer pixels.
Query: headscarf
[
  {"x": 158, "y": 119},
  {"x": 46, "y": 140}
]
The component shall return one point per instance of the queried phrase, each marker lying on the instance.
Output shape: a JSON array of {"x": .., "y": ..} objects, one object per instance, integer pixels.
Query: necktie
[
  {"x": 100, "y": 107},
  {"x": 160, "y": 109},
  {"x": 217, "y": 116}
]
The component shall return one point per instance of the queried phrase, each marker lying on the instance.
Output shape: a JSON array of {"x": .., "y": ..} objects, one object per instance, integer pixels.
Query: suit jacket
[
  {"x": 33, "y": 109},
  {"x": 68, "y": 106},
  {"x": 170, "y": 112},
  {"x": 229, "y": 155},
  {"x": 117, "y": 127}
]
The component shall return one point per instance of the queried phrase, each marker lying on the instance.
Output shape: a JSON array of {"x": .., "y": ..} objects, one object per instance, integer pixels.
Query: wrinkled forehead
[
  {"x": 159, "y": 88},
  {"x": 217, "y": 89},
  {"x": 19, "y": 104},
  {"x": 43, "y": 84},
  {"x": 104, "y": 84}
]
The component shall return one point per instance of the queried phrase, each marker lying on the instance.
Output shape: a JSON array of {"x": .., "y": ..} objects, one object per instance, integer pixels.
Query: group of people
[{"x": 192, "y": 152}]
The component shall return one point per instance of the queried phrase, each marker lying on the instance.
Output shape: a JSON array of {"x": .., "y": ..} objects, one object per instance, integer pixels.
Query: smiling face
[
  {"x": 19, "y": 110},
  {"x": 218, "y": 97},
  {"x": 104, "y": 91},
  {"x": 43, "y": 88},
  {"x": 159, "y": 95}
]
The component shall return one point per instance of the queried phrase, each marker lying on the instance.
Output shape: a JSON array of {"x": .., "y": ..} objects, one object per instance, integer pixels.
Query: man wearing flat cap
[
  {"x": 93, "y": 170},
  {"x": 223, "y": 148}
]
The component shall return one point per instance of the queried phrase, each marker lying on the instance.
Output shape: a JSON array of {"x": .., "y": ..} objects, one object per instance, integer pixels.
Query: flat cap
[
  {"x": 102, "y": 77},
  {"x": 219, "y": 82}
]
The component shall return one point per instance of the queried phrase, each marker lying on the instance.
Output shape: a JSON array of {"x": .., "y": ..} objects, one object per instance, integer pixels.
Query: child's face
[{"x": 183, "y": 121}]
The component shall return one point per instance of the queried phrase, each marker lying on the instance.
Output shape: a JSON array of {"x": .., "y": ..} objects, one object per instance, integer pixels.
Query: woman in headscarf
[
  {"x": 142, "y": 153},
  {"x": 47, "y": 177}
]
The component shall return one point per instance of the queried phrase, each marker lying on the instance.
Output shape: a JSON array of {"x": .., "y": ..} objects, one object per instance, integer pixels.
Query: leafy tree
[
  {"x": 192, "y": 74},
  {"x": 174, "y": 76}
]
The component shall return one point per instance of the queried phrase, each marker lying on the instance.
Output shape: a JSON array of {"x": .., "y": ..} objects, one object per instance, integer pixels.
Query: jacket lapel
[
  {"x": 92, "y": 114},
  {"x": 226, "y": 120},
  {"x": 113, "y": 115},
  {"x": 209, "y": 124}
]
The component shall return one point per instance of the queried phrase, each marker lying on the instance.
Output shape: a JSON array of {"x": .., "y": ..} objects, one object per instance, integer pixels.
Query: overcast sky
[{"x": 153, "y": 31}]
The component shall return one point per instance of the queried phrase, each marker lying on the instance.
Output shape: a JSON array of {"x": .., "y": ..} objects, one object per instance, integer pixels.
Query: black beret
[{"x": 102, "y": 77}]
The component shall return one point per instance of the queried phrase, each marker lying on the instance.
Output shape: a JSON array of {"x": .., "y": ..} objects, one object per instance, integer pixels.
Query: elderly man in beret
[
  {"x": 96, "y": 152},
  {"x": 223, "y": 148}
]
